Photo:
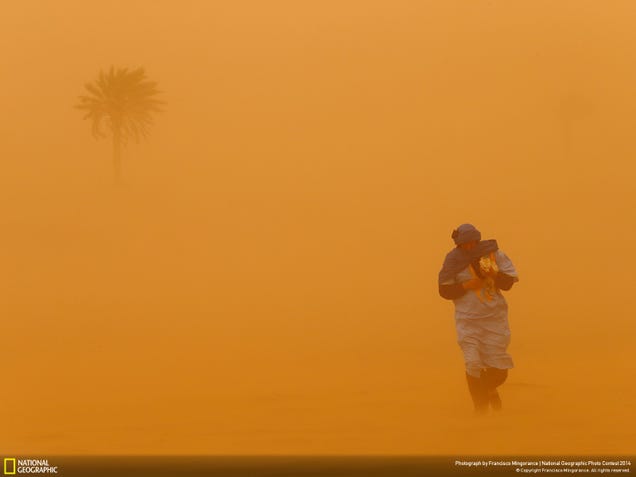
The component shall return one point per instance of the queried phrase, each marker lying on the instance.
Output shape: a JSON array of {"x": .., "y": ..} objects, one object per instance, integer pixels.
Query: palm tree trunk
[
  {"x": 117, "y": 155},
  {"x": 567, "y": 138}
]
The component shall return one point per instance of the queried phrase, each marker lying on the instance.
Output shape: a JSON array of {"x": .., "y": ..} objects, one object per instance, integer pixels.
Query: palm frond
[{"x": 125, "y": 99}]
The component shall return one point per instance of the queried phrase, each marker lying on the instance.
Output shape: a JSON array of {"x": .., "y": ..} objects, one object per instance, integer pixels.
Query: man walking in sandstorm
[{"x": 472, "y": 276}]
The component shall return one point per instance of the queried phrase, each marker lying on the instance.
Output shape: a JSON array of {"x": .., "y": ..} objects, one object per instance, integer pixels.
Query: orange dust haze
[{"x": 263, "y": 280}]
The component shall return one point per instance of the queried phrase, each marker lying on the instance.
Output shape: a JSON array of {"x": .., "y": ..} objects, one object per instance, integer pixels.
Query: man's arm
[
  {"x": 451, "y": 291},
  {"x": 504, "y": 281},
  {"x": 507, "y": 274}
]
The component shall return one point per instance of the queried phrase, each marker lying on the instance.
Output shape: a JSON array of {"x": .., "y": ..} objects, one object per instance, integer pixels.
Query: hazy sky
[{"x": 266, "y": 281}]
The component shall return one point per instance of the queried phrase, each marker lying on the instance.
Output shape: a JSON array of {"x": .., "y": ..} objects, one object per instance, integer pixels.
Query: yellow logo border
[{"x": 8, "y": 459}]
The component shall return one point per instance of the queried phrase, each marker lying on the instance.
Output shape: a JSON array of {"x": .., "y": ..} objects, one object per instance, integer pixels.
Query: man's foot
[{"x": 494, "y": 400}]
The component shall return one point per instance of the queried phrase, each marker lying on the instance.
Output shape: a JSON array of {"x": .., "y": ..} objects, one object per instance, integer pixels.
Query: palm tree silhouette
[{"x": 125, "y": 101}]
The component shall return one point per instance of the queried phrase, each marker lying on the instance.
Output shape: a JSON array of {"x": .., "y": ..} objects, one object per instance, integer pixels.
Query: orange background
[{"x": 266, "y": 281}]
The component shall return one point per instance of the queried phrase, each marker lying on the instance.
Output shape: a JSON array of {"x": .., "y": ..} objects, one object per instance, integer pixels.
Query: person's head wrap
[
  {"x": 458, "y": 259},
  {"x": 465, "y": 233}
]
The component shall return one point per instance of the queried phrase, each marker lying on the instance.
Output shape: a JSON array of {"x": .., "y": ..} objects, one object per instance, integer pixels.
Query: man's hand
[
  {"x": 492, "y": 273},
  {"x": 473, "y": 284}
]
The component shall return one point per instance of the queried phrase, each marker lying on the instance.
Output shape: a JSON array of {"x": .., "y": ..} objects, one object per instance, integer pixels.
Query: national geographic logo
[
  {"x": 13, "y": 466},
  {"x": 9, "y": 466}
]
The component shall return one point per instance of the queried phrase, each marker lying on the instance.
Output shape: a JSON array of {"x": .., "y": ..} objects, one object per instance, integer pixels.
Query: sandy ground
[{"x": 159, "y": 366}]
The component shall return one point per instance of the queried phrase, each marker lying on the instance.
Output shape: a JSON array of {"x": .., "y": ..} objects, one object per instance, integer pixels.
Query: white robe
[{"x": 482, "y": 326}]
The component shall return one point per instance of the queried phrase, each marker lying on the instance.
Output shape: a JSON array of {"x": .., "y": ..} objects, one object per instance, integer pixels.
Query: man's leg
[
  {"x": 496, "y": 361},
  {"x": 474, "y": 365},
  {"x": 478, "y": 393},
  {"x": 493, "y": 377}
]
